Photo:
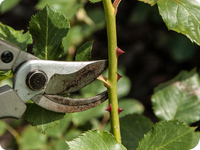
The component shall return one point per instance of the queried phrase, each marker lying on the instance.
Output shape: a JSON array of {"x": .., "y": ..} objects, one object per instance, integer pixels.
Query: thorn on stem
[
  {"x": 109, "y": 108},
  {"x": 119, "y": 110},
  {"x": 119, "y": 52},
  {"x": 118, "y": 77}
]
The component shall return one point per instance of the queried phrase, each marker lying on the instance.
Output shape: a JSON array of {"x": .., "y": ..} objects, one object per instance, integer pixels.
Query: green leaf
[
  {"x": 179, "y": 100},
  {"x": 80, "y": 118},
  {"x": 168, "y": 135},
  {"x": 7, "y": 5},
  {"x": 130, "y": 106},
  {"x": 151, "y": 2},
  {"x": 94, "y": 1},
  {"x": 18, "y": 38},
  {"x": 31, "y": 139},
  {"x": 72, "y": 134},
  {"x": 58, "y": 130},
  {"x": 84, "y": 52},
  {"x": 183, "y": 75},
  {"x": 133, "y": 128},
  {"x": 73, "y": 38},
  {"x": 48, "y": 27},
  {"x": 96, "y": 140},
  {"x": 5, "y": 75},
  {"x": 196, "y": 139},
  {"x": 41, "y": 118},
  {"x": 60, "y": 145},
  {"x": 2, "y": 127},
  {"x": 67, "y": 7},
  {"x": 182, "y": 16}
]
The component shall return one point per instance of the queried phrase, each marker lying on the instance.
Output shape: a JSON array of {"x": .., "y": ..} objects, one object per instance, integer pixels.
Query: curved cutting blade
[
  {"x": 67, "y": 83},
  {"x": 68, "y": 105}
]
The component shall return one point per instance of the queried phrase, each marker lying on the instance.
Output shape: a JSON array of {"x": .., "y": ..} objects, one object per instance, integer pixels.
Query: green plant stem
[
  {"x": 112, "y": 73},
  {"x": 14, "y": 133}
]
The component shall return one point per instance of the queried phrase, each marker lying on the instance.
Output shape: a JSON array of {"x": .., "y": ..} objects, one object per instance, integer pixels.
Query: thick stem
[{"x": 112, "y": 74}]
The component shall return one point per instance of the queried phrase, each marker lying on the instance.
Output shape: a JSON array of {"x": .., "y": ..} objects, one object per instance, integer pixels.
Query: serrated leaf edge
[
  {"x": 90, "y": 131},
  {"x": 183, "y": 123}
]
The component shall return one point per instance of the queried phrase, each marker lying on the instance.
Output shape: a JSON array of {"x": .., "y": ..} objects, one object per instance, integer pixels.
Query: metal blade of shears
[
  {"x": 66, "y": 83},
  {"x": 61, "y": 104}
]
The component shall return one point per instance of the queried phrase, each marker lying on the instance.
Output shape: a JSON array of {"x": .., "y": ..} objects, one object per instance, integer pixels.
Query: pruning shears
[{"x": 45, "y": 81}]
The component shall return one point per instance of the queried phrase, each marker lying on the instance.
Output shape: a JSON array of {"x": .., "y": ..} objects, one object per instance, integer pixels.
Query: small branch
[
  {"x": 115, "y": 5},
  {"x": 14, "y": 133},
  {"x": 112, "y": 72},
  {"x": 104, "y": 121}
]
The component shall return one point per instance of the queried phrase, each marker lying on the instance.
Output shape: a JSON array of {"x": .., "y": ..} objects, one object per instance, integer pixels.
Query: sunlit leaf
[
  {"x": 196, "y": 141},
  {"x": 182, "y": 16},
  {"x": 96, "y": 140},
  {"x": 5, "y": 75},
  {"x": 7, "y": 5},
  {"x": 67, "y": 7},
  {"x": 183, "y": 75},
  {"x": 16, "y": 37},
  {"x": 168, "y": 135},
  {"x": 130, "y": 106},
  {"x": 84, "y": 52},
  {"x": 133, "y": 127},
  {"x": 180, "y": 99},
  {"x": 48, "y": 27}
]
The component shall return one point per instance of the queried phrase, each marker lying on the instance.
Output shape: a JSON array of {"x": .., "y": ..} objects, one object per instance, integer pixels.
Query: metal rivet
[
  {"x": 36, "y": 80},
  {"x": 7, "y": 56}
]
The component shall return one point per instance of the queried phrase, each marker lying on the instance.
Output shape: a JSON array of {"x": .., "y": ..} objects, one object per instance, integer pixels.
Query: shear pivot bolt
[
  {"x": 36, "y": 80},
  {"x": 7, "y": 57}
]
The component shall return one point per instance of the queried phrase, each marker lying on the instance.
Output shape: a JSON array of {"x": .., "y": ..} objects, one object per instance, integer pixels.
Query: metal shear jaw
[
  {"x": 43, "y": 81},
  {"x": 68, "y": 105}
]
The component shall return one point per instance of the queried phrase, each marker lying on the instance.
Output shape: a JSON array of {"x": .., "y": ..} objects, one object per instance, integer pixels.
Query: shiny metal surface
[
  {"x": 50, "y": 68},
  {"x": 74, "y": 81}
]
